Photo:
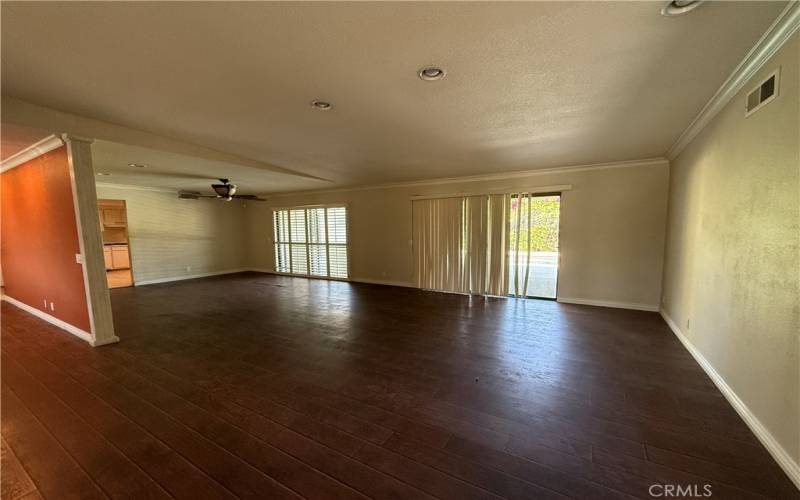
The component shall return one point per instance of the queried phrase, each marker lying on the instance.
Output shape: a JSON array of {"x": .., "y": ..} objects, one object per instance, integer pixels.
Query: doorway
[
  {"x": 534, "y": 245},
  {"x": 116, "y": 246}
]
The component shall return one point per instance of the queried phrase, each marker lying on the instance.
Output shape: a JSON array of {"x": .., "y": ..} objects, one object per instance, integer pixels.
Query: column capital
[{"x": 76, "y": 138}]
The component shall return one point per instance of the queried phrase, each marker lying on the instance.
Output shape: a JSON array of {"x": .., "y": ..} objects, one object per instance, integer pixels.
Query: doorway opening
[
  {"x": 116, "y": 246},
  {"x": 534, "y": 245}
]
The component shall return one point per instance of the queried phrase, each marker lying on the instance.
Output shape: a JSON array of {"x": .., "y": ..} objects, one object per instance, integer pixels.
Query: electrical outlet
[
  {"x": 188, "y": 269},
  {"x": 52, "y": 306},
  {"x": 78, "y": 258},
  {"x": 45, "y": 304},
  {"x": 687, "y": 323}
]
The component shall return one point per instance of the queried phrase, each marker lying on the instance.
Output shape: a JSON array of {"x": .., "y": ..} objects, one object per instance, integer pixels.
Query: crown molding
[
  {"x": 36, "y": 149},
  {"x": 518, "y": 189},
  {"x": 648, "y": 162},
  {"x": 770, "y": 42}
]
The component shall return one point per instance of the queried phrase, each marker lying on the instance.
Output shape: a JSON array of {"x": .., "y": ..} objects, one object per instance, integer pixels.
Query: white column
[{"x": 84, "y": 197}]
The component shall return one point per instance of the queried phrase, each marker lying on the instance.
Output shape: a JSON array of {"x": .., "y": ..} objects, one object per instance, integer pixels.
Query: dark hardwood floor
[{"x": 260, "y": 386}]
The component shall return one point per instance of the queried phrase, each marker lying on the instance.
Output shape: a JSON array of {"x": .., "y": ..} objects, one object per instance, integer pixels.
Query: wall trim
[
  {"x": 557, "y": 188},
  {"x": 169, "y": 279},
  {"x": 647, "y": 162},
  {"x": 36, "y": 149},
  {"x": 606, "y": 303},
  {"x": 789, "y": 466},
  {"x": 770, "y": 42},
  {"x": 74, "y": 330}
]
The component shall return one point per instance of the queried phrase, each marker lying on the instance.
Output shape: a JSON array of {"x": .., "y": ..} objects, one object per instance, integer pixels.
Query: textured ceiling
[
  {"x": 528, "y": 85},
  {"x": 180, "y": 172},
  {"x": 15, "y": 138}
]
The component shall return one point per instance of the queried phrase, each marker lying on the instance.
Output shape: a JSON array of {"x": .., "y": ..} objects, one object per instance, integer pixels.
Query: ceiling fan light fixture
[
  {"x": 321, "y": 105},
  {"x": 678, "y": 7},
  {"x": 431, "y": 73},
  {"x": 224, "y": 190}
]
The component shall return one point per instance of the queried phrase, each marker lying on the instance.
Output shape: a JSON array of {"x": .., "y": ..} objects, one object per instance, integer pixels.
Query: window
[{"x": 311, "y": 241}]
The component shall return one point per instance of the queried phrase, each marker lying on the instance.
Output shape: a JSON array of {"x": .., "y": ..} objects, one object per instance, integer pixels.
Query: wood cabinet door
[
  {"x": 114, "y": 217},
  {"x": 107, "y": 257},
  {"x": 120, "y": 257}
]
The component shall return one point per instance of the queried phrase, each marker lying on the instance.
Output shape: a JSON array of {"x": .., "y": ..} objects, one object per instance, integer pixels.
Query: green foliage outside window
[{"x": 543, "y": 227}]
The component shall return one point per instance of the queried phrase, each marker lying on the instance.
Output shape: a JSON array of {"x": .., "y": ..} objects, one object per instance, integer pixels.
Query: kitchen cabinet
[
  {"x": 120, "y": 257},
  {"x": 107, "y": 258},
  {"x": 113, "y": 216}
]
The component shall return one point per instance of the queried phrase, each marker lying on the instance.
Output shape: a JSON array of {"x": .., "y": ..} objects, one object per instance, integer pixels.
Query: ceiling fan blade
[
  {"x": 248, "y": 197},
  {"x": 193, "y": 195}
]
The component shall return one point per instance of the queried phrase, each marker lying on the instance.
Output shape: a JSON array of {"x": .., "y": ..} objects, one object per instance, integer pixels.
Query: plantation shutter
[{"x": 311, "y": 241}]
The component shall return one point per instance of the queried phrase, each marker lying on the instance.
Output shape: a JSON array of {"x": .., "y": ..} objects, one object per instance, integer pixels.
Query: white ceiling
[
  {"x": 528, "y": 85},
  {"x": 180, "y": 172},
  {"x": 15, "y": 138}
]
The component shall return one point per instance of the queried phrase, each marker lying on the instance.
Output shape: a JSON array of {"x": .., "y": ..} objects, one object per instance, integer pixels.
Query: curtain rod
[{"x": 508, "y": 190}]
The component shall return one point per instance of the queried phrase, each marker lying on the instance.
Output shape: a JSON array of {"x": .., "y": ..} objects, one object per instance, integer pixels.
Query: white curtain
[
  {"x": 437, "y": 235},
  {"x": 474, "y": 225},
  {"x": 497, "y": 238},
  {"x": 519, "y": 243},
  {"x": 460, "y": 244}
]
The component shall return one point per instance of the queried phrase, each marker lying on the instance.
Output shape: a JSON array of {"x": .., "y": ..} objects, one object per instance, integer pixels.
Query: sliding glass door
[
  {"x": 533, "y": 245},
  {"x": 311, "y": 241},
  {"x": 497, "y": 244}
]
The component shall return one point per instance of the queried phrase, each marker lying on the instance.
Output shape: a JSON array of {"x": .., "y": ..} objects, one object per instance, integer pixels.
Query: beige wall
[
  {"x": 731, "y": 270},
  {"x": 168, "y": 234},
  {"x": 612, "y": 230}
]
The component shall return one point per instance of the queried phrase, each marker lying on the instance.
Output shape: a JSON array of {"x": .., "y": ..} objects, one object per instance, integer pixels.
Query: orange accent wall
[{"x": 39, "y": 238}]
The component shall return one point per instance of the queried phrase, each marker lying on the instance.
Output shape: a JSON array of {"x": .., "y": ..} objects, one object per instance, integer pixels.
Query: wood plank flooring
[{"x": 260, "y": 386}]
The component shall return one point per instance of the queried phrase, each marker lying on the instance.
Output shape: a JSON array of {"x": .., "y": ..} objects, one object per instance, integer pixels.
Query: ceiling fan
[{"x": 224, "y": 191}]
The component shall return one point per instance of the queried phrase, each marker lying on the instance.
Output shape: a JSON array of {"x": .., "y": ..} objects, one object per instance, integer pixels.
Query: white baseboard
[
  {"x": 187, "y": 277},
  {"x": 777, "y": 451},
  {"x": 74, "y": 330},
  {"x": 606, "y": 303}
]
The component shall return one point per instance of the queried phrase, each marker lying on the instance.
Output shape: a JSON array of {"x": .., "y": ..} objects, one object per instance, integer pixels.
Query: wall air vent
[{"x": 763, "y": 94}]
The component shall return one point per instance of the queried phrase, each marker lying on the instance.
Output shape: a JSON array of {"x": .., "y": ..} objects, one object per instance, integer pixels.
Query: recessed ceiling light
[
  {"x": 137, "y": 165},
  {"x": 103, "y": 173},
  {"x": 321, "y": 105},
  {"x": 431, "y": 73},
  {"x": 678, "y": 7}
]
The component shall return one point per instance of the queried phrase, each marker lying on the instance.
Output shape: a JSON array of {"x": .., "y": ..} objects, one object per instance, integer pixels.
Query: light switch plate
[{"x": 79, "y": 258}]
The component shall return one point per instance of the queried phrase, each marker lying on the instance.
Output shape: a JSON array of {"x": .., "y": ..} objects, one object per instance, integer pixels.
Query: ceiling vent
[{"x": 763, "y": 94}]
